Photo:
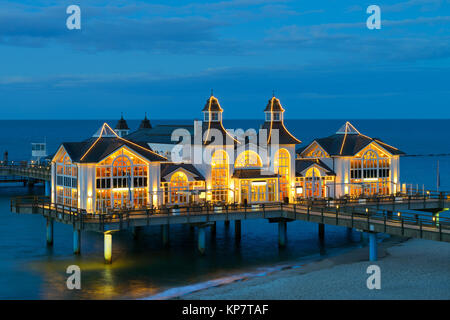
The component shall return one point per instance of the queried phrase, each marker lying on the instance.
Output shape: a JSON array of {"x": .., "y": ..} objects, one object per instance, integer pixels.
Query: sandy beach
[{"x": 413, "y": 269}]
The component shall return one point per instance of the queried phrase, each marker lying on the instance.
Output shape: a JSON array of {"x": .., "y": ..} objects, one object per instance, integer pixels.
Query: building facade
[{"x": 166, "y": 165}]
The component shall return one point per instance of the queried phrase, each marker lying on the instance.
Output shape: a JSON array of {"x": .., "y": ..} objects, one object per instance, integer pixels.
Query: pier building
[{"x": 169, "y": 165}]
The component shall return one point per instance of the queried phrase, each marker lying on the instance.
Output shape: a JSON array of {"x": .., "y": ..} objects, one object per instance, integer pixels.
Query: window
[
  {"x": 219, "y": 171},
  {"x": 248, "y": 158},
  {"x": 206, "y": 116},
  {"x": 214, "y": 116},
  {"x": 276, "y": 116},
  {"x": 178, "y": 188},
  {"x": 281, "y": 167},
  {"x": 268, "y": 116},
  {"x": 121, "y": 181},
  {"x": 66, "y": 182},
  {"x": 370, "y": 173}
]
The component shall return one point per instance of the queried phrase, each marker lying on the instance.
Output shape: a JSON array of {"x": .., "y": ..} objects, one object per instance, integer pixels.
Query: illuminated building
[
  {"x": 362, "y": 165},
  {"x": 182, "y": 164}
]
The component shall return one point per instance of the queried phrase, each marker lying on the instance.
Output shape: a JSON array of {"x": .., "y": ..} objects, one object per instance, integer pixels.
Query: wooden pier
[{"x": 398, "y": 216}]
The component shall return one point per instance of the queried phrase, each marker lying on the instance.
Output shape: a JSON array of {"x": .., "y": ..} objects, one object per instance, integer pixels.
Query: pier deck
[
  {"x": 18, "y": 173},
  {"x": 387, "y": 215}
]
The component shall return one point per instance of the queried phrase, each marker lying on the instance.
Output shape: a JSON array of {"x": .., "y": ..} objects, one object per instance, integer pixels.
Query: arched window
[
  {"x": 178, "y": 187},
  {"x": 121, "y": 181},
  {"x": 282, "y": 167},
  {"x": 219, "y": 173},
  {"x": 372, "y": 169},
  {"x": 313, "y": 182},
  {"x": 248, "y": 158}
]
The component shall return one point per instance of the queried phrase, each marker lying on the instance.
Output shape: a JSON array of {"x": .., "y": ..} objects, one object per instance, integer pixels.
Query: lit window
[{"x": 248, "y": 158}]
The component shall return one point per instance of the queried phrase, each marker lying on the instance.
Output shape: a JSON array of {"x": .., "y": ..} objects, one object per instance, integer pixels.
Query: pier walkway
[
  {"x": 24, "y": 173},
  {"x": 398, "y": 216}
]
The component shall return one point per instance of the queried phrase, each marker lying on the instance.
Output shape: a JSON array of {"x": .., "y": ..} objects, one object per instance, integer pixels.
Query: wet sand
[{"x": 413, "y": 269}]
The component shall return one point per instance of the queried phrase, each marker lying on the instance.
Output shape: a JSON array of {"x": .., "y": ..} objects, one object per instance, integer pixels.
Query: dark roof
[
  {"x": 122, "y": 124},
  {"x": 350, "y": 144},
  {"x": 103, "y": 147},
  {"x": 169, "y": 167},
  {"x": 302, "y": 164},
  {"x": 208, "y": 134},
  {"x": 285, "y": 137},
  {"x": 253, "y": 173},
  {"x": 145, "y": 124},
  {"x": 274, "y": 105},
  {"x": 212, "y": 104},
  {"x": 159, "y": 134}
]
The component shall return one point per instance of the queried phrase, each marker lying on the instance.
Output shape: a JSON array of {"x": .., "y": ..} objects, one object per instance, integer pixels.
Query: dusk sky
[{"x": 164, "y": 57}]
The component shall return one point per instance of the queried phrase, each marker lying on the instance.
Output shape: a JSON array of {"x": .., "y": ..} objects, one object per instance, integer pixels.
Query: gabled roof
[
  {"x": 348, "y": 142},
  {"x": 303, "y": 164},
  {"x": 273, "y": 105},
  {"x": 122, "y": 124},
  {"x": 212, "y": 104},
  {"x": 145, "y": 124},
  {"x": 97, "y": 148},
  {"x": 169, "y": 167}
]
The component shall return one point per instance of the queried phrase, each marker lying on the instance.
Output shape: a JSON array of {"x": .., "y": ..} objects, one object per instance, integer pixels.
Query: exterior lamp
[
  {"x": 398, "y": 214},
  {"x": 299, "y": 190},
  {"x": 367, "y": 210}
]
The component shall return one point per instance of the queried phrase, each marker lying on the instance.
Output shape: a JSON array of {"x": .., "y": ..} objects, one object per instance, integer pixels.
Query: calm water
[{"x": 30, "y": 270}]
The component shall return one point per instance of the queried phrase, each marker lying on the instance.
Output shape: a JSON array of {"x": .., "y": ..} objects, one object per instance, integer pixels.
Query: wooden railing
[
  {"x": 30, "y": 171},
  {"x": 349, "y": 211}
]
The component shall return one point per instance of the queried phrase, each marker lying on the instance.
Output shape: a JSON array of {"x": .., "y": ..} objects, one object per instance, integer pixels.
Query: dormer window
[
  {"x": 206, "y": 116},
  {"x": 214, "y": 116},
  {"x": 268, "y": 116},
  {"x": 276, "y": 116}
]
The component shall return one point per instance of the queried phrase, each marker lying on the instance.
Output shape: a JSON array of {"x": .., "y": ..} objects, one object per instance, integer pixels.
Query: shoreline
[
  {"x": 262, "y": 272},
  {"x": 410, "y": 268}
]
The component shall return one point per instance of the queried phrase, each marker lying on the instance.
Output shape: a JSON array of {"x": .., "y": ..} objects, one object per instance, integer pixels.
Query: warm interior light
[
  {"x": 299, "y": 190},
  {"x": 259, "y": 183}
]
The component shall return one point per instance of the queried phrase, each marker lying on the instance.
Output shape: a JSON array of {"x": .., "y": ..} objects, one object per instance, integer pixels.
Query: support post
[
  {"x": 108, "y": 247},
  {"x": 136, "y": 232},
  {"x": 214, "y": 229},
  {"x": 48, "y": 188},
  {"x": 321, "y": 231},
  {"x": 227, "y": 223},
  {"x": 49, "y": 232},
  {"x": 282, "y": 234},
  {"x": 349, "y": 233},
  {"x": 165, "y": 234},
  {"x": 373, "y": 254},
  {"x": 201, "y": 240},
  {"x": 237, "y": 229},
  {"x": 76, "y": 241}
]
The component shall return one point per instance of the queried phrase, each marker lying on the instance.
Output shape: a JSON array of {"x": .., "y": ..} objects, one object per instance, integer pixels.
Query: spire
[
  {"x": 145, "y": 124},
  {"x": 274, "y": 105},
  {"x": 212, "y": 104},
  {"x": 122, "y": 124}
]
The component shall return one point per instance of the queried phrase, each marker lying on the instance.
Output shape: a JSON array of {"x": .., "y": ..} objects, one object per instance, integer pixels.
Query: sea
[{"x": 143, "y": 268}]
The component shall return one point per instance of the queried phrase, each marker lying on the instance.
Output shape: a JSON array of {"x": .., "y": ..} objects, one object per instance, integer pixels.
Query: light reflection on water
[{"x": 143, "y": 267}]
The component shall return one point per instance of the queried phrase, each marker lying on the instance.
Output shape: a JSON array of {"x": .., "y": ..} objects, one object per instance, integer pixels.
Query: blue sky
[{"x": 164, "y": 57}]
